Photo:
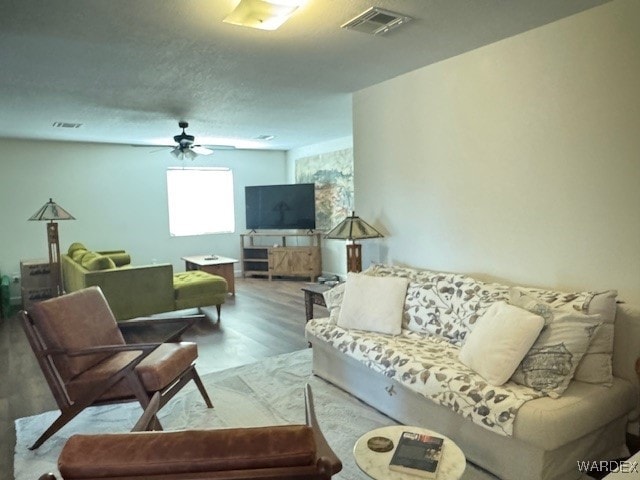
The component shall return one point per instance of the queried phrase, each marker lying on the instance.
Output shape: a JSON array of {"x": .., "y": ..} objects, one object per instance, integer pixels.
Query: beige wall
[
  {"x": 519, "y": 160},
  {"x": 118, "y": 195}
]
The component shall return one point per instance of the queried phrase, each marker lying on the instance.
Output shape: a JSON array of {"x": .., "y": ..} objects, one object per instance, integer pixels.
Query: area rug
[{"x": 267, "y": 393}]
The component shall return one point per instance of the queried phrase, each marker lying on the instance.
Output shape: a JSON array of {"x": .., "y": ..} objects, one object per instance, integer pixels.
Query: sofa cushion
[
  {"x": 196, "y": 288},
  {"x": 75, "y": 246},
  {"x": 550, "y": 423},
  {"x": 156, "y": 372},
  {"x": 443, "y": 304},
  {"x": 197, "y": 282},
  {"x": 552, "y": 361},
  {"x": 93, "y": 262},
  {"x": 120, "y": 259},
  {"x": 373, "y": 303},
  {"x": 596, "y": 367},
  {"x": 501, "y": 339},
  {"x": 448, "y": 305},
  {"x": 429, "y": 366},
  {"x": 521, "y": 299},
  {"x": 596, "y": 364},
  {"x": 78, "y": 254}
]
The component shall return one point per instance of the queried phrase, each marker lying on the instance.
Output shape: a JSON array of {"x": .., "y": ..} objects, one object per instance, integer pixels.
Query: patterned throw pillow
[
  {"x": 333, "y": 299},
  {"x": 552, "y": 361},
  {"x": 596, "y": 365}
]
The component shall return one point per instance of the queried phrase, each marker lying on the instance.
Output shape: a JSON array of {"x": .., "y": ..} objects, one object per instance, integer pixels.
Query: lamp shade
[
  {"x": 51, "y": 211},
  {"x": 353, "y": 228}
]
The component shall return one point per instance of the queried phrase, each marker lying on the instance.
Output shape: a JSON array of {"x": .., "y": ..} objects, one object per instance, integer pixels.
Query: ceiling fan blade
[
  {"x": 158, "y": 148},
  {"x": 218, "y": 147},
  {"x": 200, "y": 150},
  {"x": 152, "y": 146}
]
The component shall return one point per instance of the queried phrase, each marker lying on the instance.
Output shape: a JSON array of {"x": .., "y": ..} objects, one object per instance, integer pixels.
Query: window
[{"x": 200, "y": 201}]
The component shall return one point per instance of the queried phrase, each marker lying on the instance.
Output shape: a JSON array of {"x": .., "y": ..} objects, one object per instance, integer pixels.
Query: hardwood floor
[{"x": 263, "y": 319}]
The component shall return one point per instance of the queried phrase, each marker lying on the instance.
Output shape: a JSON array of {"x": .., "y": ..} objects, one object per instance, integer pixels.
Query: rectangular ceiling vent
[
  {"x": 66, "y": 125},
  {"x": 376, "y": 21}
]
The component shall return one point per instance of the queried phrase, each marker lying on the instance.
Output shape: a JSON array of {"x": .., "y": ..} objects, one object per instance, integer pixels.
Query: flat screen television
[{"x": 280, "y": 207}]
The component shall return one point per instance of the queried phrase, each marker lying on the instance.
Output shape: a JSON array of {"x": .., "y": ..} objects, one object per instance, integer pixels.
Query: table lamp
[
  {"x": 353, "y": 228},
  {"x": 51, "y": 212}
]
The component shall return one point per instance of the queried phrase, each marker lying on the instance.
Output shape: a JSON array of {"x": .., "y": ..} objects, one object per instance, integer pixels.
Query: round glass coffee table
[{"x": 376, "y": 464}]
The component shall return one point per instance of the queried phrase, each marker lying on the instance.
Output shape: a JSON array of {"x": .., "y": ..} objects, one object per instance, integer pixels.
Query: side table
[
  {"x": 376, "y": 464},
  {"x": 215, "y": 265},
  {"x": 313, "y": 296},
  {"x": 37, "y": 284}
]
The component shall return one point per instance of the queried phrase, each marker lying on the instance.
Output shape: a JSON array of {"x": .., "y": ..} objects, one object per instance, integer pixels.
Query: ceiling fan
[{"x": 184, "y": 145}]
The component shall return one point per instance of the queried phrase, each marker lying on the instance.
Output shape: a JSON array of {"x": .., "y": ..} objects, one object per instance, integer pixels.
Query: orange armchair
[
  {"x": 85, "y": 360},
  {"x": 284, "y": 452}
]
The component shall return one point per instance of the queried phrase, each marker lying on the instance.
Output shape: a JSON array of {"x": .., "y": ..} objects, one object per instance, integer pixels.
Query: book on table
[{"x": 417, "y": 454}]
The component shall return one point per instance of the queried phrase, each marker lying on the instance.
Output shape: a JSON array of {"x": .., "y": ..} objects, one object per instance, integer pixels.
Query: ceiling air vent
[
  {"x": 376, "y": 21},
  {"x": 66, "y": 125}
]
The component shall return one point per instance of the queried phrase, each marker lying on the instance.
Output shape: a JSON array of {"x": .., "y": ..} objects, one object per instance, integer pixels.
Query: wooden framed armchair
[
  {"x": 85, "y": 360},
  {"x": 283, "y": 452}
]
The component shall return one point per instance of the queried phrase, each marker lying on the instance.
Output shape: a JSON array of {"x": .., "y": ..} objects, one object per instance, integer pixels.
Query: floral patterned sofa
[{"x": 528, "y": 428}]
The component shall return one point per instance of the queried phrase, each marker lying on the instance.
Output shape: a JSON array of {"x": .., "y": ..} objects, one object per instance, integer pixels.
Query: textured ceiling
[{"x": 128, "y": 70}]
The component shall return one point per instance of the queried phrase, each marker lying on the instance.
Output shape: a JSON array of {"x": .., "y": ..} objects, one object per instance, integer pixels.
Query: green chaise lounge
[{"x": 137, "y": 291}]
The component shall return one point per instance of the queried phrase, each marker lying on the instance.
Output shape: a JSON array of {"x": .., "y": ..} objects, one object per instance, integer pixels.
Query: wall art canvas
[{"x": 333, "y": 175}]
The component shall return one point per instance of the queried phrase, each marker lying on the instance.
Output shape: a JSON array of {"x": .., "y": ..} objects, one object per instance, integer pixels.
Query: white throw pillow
[
  {"x": 373, "y": 303},
  {"x": 499, "y": 342}
]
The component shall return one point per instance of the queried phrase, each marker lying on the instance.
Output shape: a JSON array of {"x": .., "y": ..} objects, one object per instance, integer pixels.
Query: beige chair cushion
[{"x": 156, "y": 371}]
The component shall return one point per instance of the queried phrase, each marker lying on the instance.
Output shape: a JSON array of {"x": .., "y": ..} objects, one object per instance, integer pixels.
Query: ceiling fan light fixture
[
  {"x": 184, "y": 153},
  {"x": 263, "y": 14}
]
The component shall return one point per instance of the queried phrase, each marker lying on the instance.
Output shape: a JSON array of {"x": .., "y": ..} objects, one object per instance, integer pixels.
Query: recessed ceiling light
[
  {"x": 265, "y": 137},
  {"x": 263, "y": 14}
]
